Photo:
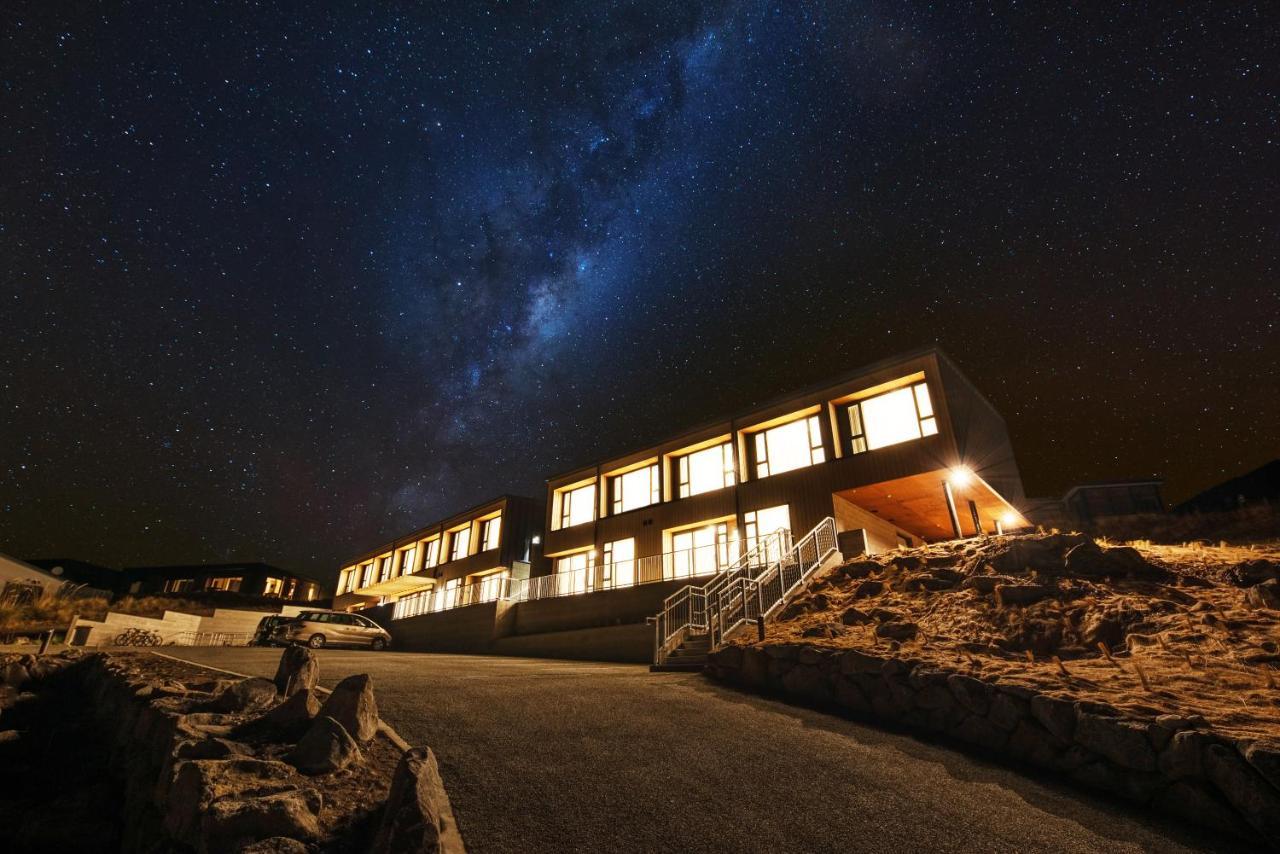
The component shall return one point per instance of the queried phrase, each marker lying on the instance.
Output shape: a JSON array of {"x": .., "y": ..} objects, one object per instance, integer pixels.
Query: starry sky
[{"x": 281, "y": 281}]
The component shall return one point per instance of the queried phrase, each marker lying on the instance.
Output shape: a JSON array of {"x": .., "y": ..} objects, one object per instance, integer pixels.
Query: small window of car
[{"x": 365, "y": 623}]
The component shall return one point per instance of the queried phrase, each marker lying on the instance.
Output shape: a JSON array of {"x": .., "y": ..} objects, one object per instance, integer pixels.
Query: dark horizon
[{"x": 280, "y": 289}]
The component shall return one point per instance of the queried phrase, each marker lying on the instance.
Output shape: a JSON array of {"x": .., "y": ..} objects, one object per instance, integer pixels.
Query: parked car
[
  {"x": 265, "y": 633},
  {"x": 317, "y": 629}
]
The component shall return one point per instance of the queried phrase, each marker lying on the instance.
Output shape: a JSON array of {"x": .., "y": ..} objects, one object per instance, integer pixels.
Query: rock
[
  {"x": 1265, "y": 759},
  {"x": 276, "y": 845},
  {"x": 326, "y": 748},
  {"x": 1123, "y": 742},
  {"x": 1032, "y": 743},
  {"x": 1181, "y": 756},
  {"x": 352, "y": 704},
  {"x": 1265, "y": 595},
  {"x": 853, "y": 661},
  {"x": 298, "y": 669},
  {"x": 417, "y": 816},
  {"x": 197, "y": 783},
  {"x": 972, "y": 694},
  {"x": 1006, "y": 711},
  {"x": 976, "y": 729},
  {"x": 824, "y": 630},
  {"x": 1022, "y": 594},
  {"x": 15, "y": 674},
  {"x": 211, "y": 748},
  {"x": 728, "y": 656},
  {"x": 232, "y": 823},
  {"x": 1244, "y": 789},
  {"x": 853, "y": 617},
  {"x": 1253, "y": 572},
  {"x": 868, "y": 588},
  {"x": 247, "y": 695},
  {"x": 859, "y": 568},
  {"x": 1089, "y": 560},
  {"x": 897, "y": 630},
  {"x": 985, "y": 583},
  {"x": 295, "y": 714},
  {"x": 9, "y": 736}
]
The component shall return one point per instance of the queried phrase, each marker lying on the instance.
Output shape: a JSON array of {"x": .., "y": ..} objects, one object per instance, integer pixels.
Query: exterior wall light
[{"x": 961, "y": 476}]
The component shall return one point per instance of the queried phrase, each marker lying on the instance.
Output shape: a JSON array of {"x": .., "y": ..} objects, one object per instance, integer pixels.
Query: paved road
[{"x": 568, "y": 756}]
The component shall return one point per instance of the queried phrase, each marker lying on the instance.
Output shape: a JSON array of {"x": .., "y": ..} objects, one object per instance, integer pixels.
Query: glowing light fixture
[
  {"x": 537, "y": 539},
  {"x": 961, "y": 476},
  {"x": 1009, "y": 520}
]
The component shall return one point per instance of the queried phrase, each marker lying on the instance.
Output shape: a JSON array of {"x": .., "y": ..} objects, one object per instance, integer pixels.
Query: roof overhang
[{"x": 918, "y": 504}]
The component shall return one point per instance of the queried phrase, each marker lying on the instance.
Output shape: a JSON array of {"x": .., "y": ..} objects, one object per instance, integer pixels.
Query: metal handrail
[
  {"x": 736, "y": 597},
  {"x": 486, "y": 589},
  {"x": 686, "y": 611}
]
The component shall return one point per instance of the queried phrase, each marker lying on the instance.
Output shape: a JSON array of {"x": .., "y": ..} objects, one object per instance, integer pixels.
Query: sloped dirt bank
[{"x": 1147, "y": 673}]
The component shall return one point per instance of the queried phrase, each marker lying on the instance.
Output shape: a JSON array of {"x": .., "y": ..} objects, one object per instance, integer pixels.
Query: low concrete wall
[
  {"x": 631, "y": 643},
  {"x": 591, "y": 610},
  {"x": 175, "y": 627},
  {"x": 472, "y": 628},
  {"x": 1175, "y": 765}
]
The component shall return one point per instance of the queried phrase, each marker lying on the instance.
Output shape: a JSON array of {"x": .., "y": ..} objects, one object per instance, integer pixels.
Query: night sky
[{"x": 281, "y": 283}]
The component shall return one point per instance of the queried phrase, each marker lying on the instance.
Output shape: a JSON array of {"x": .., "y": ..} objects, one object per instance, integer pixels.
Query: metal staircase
[{"x": 697, "y": 619}]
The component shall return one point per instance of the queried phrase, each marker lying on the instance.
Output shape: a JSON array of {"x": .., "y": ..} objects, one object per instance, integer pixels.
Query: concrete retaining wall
[
  {"x": 472, "y": 628},
  {"x": 590, "y": 610},
  {"x": 630, "y": 643},
  {"x": 176, "y": 627},
  {"x": 1173, "y": 764}
]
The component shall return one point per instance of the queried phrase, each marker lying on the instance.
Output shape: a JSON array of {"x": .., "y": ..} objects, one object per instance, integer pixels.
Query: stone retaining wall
[{"x": 1175, "y": 765}]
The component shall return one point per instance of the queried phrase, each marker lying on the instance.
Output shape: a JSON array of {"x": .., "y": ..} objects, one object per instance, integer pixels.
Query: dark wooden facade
[{"x": 970, "y": 434}]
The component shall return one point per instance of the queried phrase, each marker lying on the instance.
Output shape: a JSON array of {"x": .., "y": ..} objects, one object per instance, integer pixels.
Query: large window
[
  {"x": 890, "y": 418},
  {"x": 273, "y": 587},
  {"x": 574, "y": 573},
  {"x": 635, "y": 489},
  {"x": 577, "y": 506},
  {"x": 459, "y": 543},
  {"x": 366, "y": 574},
  {"x": 231, "y": 585},
  {"x": 789, "y": 446},
  {"x": 407, "y": 558},
  {"x": 759, "y": 527},
  {"x": 490, "y": 586},
  {"x": 701, "y": 551},
  {"x": 431, "y": 553},
  {"x": 619, "y": 568},
  {"x": 490, "y": 533},
  {"x": 448, "y": 595},
  {"x": 179, "y": 585},
  {"x": 384, "y": 567},
  {"x": 705, "y": 470}
]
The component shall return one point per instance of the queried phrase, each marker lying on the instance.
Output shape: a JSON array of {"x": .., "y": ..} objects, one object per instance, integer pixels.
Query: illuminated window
[
  {"x": 890, "y": 418},
  {"x": 430, "y": 553},
  {"x": 490, "y": 586},
  {"x": 366, "y": 574},
  {"x": 231, "y": 585},
  {"x": 789, "y": 446},
  {"x": 490, "y": 533},
  {"x": 407, "y": 558},
  {"x": 705, "y": 470},
  {"x": 760, "y": 525},
  {"x": 635, "y": 489},
  {"x": 575, "y": 573},
  {"x": 701, "y": 551},
  {"x": 273, "y": 587},
  {"x": 179, "y": 585},
  {"x": 577, "y": 506},
  {"x": 459, "y": 543},
  {"x": 384, "y": 567},
  {"x": 448, "y": 596},
  {"x": 619, "y": 568}
]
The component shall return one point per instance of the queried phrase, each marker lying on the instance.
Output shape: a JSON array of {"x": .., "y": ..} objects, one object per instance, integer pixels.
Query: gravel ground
[{"x": 572, "y": 756}]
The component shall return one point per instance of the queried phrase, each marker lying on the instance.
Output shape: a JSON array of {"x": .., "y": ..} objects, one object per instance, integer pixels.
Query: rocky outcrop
[
  {"x": 417, "y": 817},
  {"x": 1174, "y": 764},
  {"x": 298, "y": 671},
  {"x": 353, "y": 705}
]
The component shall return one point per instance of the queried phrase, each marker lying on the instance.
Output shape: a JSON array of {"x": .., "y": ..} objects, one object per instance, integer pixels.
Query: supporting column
[
  {"x": 951, "y": 508},
  {"x": 977, "y": 523}
]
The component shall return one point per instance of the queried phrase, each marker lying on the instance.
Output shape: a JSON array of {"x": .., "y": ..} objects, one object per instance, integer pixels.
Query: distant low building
[
  {"x": 1088, "y": 503},
  {"x": 1260, "y": 485},
  {"x": 246, "y": 579}
]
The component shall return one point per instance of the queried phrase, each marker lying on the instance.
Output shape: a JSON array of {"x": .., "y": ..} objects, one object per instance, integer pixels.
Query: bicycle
[{"x": 138, "y": 637}]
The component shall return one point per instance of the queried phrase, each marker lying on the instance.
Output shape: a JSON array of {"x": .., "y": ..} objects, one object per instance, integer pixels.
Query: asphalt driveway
[{"x": 570, "y": 756}]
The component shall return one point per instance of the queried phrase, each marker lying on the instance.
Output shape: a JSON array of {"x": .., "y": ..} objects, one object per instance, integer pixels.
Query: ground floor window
[
  {"x": 448, "y": 595},
  {"x": 701, "y": 551},
  {"x": 619, "y": 568},
  {"x": 273, "y": 587},
  {"x": 179, "y": 585},
  {"x": 490, "y": 586},
  {"x": 231, "y": 585},
  {"x": 574, "y": 573},
  {"x": 759, "y": 527}
]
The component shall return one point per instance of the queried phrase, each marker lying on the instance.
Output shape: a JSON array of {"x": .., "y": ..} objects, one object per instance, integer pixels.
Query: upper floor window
[
  {"x": 490, "y": 533},
  {"x": 366, "y": 574},
  {"x": 384, "y": 567},
  {"x": 705, "y": 470},
  {"x": 430, "y": 553},
  {"x": 407, "y": 558},
  {"x": 887, "y": 419},
  {"x": 635, "y": 489},
  {"x": 789, "y": 446},
  {"x": 577, "y": 505},
  {"x": 460, "y": 543}
]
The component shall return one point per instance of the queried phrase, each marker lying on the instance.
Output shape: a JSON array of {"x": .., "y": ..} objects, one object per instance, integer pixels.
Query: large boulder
[
  {"x": 232, "y": 824},
  {"x": 417, "y": 816},
  {"x": 298, "y": 669},
  {"x": 294, "y": 715},
  {"x": 1244, "y": 788},
  {"x": 1264, "y": 595},
  {"x": 326, "y": 748},
  {"x": 197, "y": 783},
  {"x": 1123, "y": 742},
  {"x": 352, "y": 704},
  {"x": 247, "y": 695},
  {"x": 1253, "y": 572}
]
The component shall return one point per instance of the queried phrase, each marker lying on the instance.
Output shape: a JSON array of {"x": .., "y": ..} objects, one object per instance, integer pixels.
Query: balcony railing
[{"x": 697, "y": 562}]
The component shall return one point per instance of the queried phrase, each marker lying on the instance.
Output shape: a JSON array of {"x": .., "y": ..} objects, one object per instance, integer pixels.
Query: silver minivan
[{"x": 318, "y": 629}]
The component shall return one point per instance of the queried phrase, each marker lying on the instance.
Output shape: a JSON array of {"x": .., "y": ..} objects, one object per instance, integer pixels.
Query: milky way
[{"x": 279, "y": 283}]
